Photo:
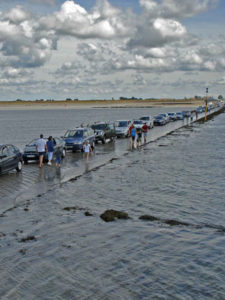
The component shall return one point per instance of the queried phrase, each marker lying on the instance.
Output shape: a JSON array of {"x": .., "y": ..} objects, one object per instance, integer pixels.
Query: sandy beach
[{"x": 87, "y": 104}]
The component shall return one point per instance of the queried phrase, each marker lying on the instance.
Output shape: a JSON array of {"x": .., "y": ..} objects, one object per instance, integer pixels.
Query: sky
[{"x": 101, "y": 49}]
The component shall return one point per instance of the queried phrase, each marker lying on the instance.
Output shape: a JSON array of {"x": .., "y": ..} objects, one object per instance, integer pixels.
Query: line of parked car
[{"x": 74, "y": 139}]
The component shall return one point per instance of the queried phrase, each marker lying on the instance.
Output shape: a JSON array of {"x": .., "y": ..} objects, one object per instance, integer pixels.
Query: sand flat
[{"x": 82, "y": 104}]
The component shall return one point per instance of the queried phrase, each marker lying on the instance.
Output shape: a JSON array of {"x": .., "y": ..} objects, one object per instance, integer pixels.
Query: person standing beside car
[
  {"x": 41, "y": 148},
  {"x": 50, "y": 147},
  {"x": 132, "y": 135},
  {"x": 58, "y": 157},
  {"x": 87, "y": 149},
  {"x": 145, "y": 131},
  {"x": 139, "y": 136}
]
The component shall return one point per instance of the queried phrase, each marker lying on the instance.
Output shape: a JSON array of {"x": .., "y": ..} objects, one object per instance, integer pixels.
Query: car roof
[
  {"x": 3, "y": 145},
  {"x": 102, "y": 122},
  {"x": 80, "y": 128}
]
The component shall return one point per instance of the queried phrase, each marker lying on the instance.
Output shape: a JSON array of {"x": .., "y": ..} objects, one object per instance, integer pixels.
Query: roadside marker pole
[{"x": 206, "y": 102}]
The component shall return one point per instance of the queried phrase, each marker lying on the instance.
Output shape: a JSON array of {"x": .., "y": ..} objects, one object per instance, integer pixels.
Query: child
[
  {"x": 87, "y": 150},
  {"x": 58, "y": 157}
]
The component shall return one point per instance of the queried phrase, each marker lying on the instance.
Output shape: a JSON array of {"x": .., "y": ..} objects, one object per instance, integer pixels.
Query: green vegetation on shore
[{"x": 128, "y": 101}]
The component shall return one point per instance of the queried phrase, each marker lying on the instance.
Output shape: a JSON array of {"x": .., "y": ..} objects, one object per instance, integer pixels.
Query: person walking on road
[
  {"x": 139, "y": 136},
  {"x": 132, "y": 136},
  {"x": 41, "y": 148},
  {"x": 145, "y": 131},
  {"x": 58, "y": 157},
  {"x": 50, "y": 147},
  {"x": 87, "y": 150}
]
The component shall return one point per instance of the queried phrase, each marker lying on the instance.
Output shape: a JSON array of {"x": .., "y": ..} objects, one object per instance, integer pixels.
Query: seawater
[{"x": 179, "y": 177}]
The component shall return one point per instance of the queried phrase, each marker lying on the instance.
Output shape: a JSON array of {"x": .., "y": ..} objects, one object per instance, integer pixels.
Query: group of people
[
  {"x": 42, "y": 147},
  {"x": 136, "y": 134},
  {"x": 48, "y": 147}
]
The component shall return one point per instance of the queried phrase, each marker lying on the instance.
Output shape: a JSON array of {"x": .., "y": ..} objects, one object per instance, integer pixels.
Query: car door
[
  {"x": 85, "y": 136},
  {"x": 110, "y": 128},
  {"x": 92, "y": 135},
  {"x": 6, "y": 160},
  {"x": 12, "y": 157}
]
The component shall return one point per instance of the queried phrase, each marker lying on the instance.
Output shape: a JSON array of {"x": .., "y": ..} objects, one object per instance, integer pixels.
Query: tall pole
[{"x": 206, "y": 102}]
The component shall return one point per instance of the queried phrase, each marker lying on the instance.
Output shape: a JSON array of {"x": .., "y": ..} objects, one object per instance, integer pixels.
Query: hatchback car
[
  {"x": 122, "y": 128},
  {"x": 172, "y": 116},
  {"x": 159, "y": 120},
  {"x": 149, "y": 120},
  {"x": 104, "y": 131},
  {"x": 75, "y": 138},
  {"x": 138, "y": 123},
  {"x": 10, "y": 158},
  {"x": 30, "y": 152},
  {"x": 180, "y": 116},
  {"x": 165, "y": 116}
]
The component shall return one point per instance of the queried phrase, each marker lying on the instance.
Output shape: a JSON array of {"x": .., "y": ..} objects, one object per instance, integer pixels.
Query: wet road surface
[{"x": 33, "y": 181}]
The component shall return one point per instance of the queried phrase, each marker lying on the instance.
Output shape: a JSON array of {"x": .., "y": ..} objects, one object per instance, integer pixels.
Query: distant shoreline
[{"x": 83, "y": 104}]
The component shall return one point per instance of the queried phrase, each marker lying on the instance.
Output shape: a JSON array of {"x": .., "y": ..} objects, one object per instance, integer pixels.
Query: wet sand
[{"x": 32, "y": 105}]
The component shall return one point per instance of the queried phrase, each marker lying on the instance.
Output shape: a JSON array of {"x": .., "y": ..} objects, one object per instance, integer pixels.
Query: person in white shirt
[
  {"x": 87, "y": 150},
  {"x": 41, "y": 148}
]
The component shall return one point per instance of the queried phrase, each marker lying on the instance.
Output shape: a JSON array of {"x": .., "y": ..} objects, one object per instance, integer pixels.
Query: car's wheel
[
  {"x": 25, "y": 161},
  {"x": 19, "y": 166},
  {"x": 64, "y": 153}
]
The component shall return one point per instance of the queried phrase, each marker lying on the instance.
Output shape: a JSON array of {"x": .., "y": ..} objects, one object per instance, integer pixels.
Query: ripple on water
[{"x": 79, "y": 257}]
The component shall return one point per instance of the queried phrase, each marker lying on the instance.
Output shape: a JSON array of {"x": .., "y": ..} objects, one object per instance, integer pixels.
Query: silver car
[
  {"x": 122, "y": 128},
  {"x": 149, "y": 120}
]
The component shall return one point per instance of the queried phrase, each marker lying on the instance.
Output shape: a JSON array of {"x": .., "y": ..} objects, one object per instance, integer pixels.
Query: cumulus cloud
[
  {"x": 105, "y": 42},
  {"x": 103, "y": 22},
  {"x": 175, "y": 8},
  {"x": 22, "y": 42},
  {"x": 157, "y": 32}
]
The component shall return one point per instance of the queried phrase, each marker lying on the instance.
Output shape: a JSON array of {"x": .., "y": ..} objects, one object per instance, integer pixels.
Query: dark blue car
[
  {"x": 75, "y": 138},
  {"x": 10, "y": 158}
]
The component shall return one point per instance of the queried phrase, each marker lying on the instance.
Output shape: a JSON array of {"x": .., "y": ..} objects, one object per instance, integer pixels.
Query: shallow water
[{"x": 178, "y": 177}]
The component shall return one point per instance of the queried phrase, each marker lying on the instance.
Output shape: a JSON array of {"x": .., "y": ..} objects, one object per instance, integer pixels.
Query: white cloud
[
  {"x": 103, "y": 22},
  {"x": 176, "y": 8},
  {"x": 107, "y": 49},
  {"x": 17, "y": 15}
]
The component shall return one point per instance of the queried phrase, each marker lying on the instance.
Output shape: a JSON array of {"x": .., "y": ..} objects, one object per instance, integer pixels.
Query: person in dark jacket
[{"x": 50, "y": 147}]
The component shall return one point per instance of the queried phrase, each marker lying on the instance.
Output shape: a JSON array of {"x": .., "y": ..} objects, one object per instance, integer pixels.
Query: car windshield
[
  {"x": 32, "y": 143},
  {"x": 138, "y": 122},
  {"x": 74, "y": 133},
  {"x": 171, "y": 114},
  {"x": 158, "y": 117},
  {"x": 144, "y": 118},
  {"x": 122, "y": 124},
  {"x": 98, "y": 126}
]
